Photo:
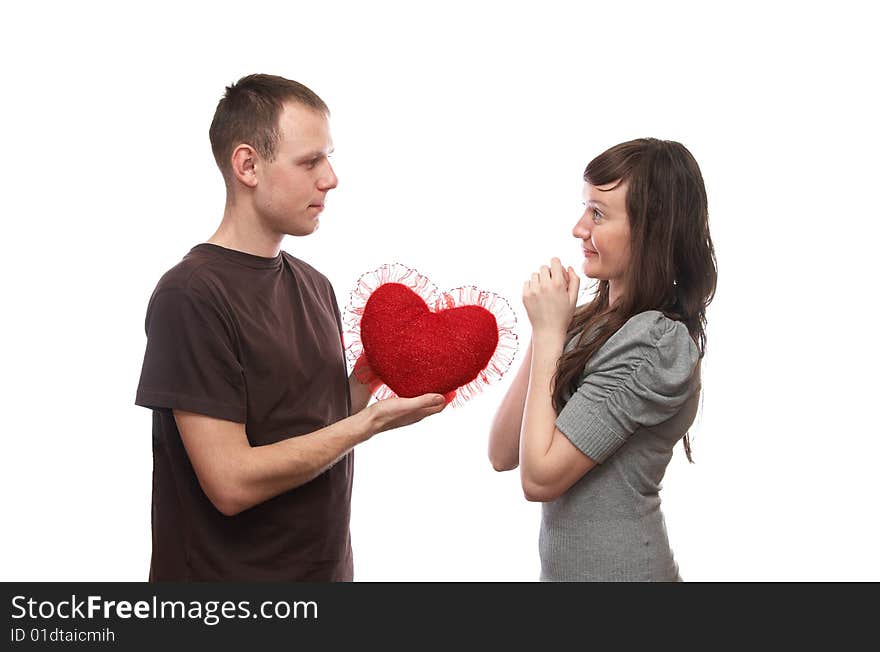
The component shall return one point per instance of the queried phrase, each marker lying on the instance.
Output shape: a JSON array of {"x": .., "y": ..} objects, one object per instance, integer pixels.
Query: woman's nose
[{"x": 581, "y": 229}]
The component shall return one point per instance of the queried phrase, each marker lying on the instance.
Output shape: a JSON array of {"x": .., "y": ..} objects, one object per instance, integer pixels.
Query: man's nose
[{"x": 328, "y": 179}]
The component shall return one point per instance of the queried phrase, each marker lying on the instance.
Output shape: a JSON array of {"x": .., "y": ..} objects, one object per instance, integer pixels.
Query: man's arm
[
  {"x": 505, "y": 432},
  {"x": 235, "y": 476},
  {"x": 360, "y": 394}
]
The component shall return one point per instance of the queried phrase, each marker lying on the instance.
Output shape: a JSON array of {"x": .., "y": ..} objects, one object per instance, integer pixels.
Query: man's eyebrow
[{"x": 318, "y": 153}]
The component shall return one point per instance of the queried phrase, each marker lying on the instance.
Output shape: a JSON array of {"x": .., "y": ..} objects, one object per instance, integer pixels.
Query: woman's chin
[{"x": 589, "y": 270}]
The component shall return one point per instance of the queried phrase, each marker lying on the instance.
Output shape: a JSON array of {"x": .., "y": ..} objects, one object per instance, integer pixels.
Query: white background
[{"x": 461, "y": 133}]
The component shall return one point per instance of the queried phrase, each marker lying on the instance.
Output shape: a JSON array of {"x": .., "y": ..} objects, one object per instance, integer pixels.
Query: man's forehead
[
  {"x": 291, "y": 110},
  {"x": 304, "y": 127}
]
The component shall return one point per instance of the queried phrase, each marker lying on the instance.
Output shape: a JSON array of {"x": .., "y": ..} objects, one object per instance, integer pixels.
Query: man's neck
[{"x": 241, "y": 230}]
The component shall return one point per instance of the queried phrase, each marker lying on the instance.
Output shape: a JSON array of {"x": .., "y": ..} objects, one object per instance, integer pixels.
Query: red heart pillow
[{"x": 416, "y": 340}]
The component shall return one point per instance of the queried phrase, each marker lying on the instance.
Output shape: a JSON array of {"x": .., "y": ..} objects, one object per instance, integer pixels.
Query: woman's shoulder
[
  {"x": 652, "y": 334},
  {"x": 654, "y": 327}
]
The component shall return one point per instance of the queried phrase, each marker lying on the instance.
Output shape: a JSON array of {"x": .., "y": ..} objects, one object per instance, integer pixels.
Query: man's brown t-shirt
[{"x": 257, "y": 341}]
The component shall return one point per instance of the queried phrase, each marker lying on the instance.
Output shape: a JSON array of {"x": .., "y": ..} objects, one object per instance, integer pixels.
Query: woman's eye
[{"x": 597, "y": 215}]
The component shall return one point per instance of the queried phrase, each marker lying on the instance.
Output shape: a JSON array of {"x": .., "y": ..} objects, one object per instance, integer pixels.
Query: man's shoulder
[
  {"x": 196, "y": 282},
  {"x": 191, "y": 268},
  {"x": 302, "y": 267}
]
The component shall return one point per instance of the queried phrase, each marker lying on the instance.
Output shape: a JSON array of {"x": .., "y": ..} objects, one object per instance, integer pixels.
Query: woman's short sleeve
[{"x": 639, "y": 377}]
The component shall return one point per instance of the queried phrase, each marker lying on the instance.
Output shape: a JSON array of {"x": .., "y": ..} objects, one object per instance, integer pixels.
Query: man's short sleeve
[{"x": 190, "y": 363}]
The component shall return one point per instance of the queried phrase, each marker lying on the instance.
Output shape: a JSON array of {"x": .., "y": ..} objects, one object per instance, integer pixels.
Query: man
[{"x": 254, "y": 419}]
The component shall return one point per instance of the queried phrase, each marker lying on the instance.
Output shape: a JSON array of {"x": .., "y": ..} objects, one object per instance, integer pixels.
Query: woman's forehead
[{"x": 611, "y": 195}]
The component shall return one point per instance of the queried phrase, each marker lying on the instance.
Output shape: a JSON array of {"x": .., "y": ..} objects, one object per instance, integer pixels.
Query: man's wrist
[{"x": 364, "y": 423}]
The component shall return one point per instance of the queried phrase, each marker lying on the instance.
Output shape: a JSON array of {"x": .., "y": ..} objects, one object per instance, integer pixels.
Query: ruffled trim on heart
[
  {"x": 508, "y": 342},
  {"x": 505, "y": 352}
]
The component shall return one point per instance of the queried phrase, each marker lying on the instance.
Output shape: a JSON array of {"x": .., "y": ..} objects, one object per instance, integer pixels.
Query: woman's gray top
[{"x": 637, "y": 398}]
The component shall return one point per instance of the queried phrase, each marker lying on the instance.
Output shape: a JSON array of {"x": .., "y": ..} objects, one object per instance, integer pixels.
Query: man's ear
[{"x": 244, "y": 161}]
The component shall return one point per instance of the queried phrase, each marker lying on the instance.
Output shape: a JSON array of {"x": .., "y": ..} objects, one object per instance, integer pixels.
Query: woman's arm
[
  {"x": 549, "y": 462},
  {"x": 504, "y": 435}
]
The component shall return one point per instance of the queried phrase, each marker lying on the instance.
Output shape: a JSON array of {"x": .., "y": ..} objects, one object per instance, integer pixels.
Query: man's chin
[{"x": 304, "y": 229}]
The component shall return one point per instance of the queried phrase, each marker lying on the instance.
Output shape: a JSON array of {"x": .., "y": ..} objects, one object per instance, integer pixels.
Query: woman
[{"x": 607, "y": 389}]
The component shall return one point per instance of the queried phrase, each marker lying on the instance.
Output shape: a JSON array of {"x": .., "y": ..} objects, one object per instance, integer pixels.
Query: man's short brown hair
[{"x": 248, "y": 113}]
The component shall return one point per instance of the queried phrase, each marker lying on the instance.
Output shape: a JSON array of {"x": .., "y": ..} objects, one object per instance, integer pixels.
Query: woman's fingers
[
  {"x": 545, "y": 274},
  {"x": 574, "y": 284},
  {"x": 557, "y": 272}
]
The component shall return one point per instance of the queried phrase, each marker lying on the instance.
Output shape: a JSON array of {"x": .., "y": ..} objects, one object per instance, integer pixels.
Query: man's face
[{"x": 291, "y": 190}]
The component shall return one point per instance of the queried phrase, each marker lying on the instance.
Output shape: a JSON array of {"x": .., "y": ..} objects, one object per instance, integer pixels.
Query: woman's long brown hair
[{"x": 672, "y": 260}]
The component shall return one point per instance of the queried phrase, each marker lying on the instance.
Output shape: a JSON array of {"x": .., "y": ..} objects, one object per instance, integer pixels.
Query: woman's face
[{"x": 604, "y": 232}]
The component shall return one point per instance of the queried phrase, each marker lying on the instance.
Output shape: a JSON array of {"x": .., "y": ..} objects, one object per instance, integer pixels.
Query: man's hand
[
  {"x": 364, "y": 374},
  {"x": 363, "y": 383},
  {"x": 398, "y": 412}
]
